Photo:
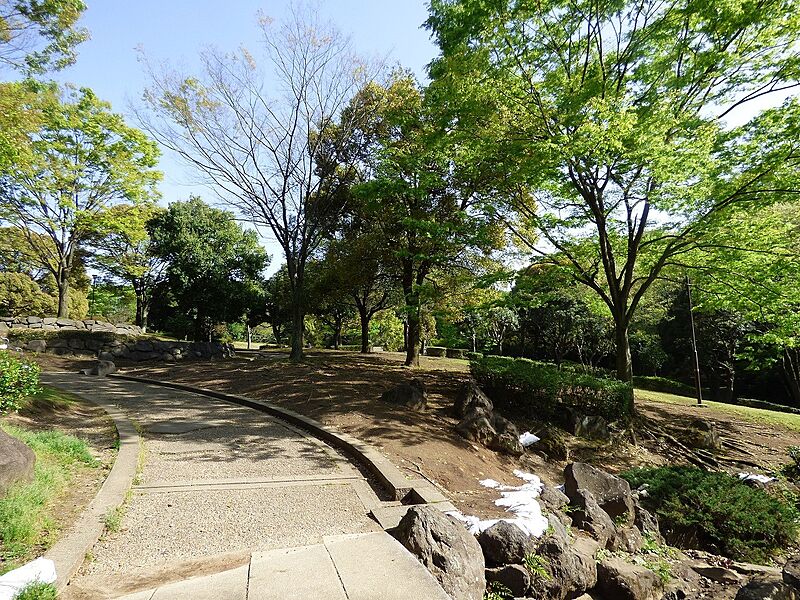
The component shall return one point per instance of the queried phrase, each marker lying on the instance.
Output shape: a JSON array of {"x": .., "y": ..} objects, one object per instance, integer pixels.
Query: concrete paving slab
[
  {"x": 375, "y": 566},
  {"x": 389, "y": 517},
  {"x": 177, "y": 427},
  {"x": 306, "y": 572},
  {"x": 230, "y": 585}
]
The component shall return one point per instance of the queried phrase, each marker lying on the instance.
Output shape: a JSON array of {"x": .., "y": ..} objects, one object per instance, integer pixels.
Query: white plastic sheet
[
  {"x": 42, "y": 570},
  {"x": 528, "y": 439}
]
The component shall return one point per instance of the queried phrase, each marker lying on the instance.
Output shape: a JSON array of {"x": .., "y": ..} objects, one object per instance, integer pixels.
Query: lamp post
[{"x": 697, "y": 385}]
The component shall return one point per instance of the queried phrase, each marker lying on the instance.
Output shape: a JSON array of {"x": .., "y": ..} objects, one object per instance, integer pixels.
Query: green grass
[
  {"x": 755, "y": 415},
  {"x": 37, "y": 591},
  {"x": 26, "y": 525}
]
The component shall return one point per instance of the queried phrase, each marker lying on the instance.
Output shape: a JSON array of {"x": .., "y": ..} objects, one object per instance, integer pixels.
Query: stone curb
[
  {"x": 417, "y": 491},
  {"x": 69, "y": 552}
]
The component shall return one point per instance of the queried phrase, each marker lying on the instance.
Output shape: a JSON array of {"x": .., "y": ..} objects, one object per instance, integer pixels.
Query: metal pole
[
  {"x": 698, "y": 387},
  {"x": 91, "y": 300}
]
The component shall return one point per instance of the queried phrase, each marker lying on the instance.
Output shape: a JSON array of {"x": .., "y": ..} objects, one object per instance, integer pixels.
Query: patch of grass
[
  {"x": 25, "y": 523},
  {"x": 718, "y": 512},
  {"x": 37, "y": 591},
  {"x": 113, "y": 520},
  {"x": 755, "y": 415}
]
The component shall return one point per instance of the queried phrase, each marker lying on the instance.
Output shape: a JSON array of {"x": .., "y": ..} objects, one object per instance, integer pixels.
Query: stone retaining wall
[
  {"x": 107, "y": 345},
  {"x": 58, "y": 324}
]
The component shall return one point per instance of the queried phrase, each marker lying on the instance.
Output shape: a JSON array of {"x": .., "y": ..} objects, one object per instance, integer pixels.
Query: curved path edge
[
  {"x": 409, "y": 491},
  {"x": 69, "y": 552}
]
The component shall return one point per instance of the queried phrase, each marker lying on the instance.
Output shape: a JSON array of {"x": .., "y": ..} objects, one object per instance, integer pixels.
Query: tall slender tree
[{"x": 272, "y": 141}]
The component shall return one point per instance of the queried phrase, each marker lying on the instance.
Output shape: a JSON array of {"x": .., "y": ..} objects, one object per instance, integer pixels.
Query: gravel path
[{"x": 217, "y": 478}]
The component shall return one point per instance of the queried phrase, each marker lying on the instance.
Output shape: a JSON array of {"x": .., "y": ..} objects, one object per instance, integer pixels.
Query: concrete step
[
  {"x": 388, "y": 517},
  {"x": 370, "y": 566}
]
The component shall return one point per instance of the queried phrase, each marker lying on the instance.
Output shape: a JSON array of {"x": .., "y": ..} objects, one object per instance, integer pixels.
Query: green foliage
[
  {"x": 718, "y": 512},
  {"x": 664, "y": 385},
  {"x": 21, "y": 296},
  {"x": 386, "y": 331},
  {"x": 436, "y": 351},
  {"x": 497, "y": 591},
  {"x": 19, "y": 379},
  {"x": 37, "y": 591},
  {"x": 37, "y": 35},
  {"x": 25, "y": 523},
  {"x": 213, "y": 266},
  {"x": 537, "y": 566},
  {"x": 523, "y": 387}
]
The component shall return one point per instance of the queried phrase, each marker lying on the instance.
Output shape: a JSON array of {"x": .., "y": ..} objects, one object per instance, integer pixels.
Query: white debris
[
  {"x": 41, "y": 570},
  {"x": 528, "y": 439},
  {"x": 518, "y": 500},
  {"x": 756, "y": 477}
]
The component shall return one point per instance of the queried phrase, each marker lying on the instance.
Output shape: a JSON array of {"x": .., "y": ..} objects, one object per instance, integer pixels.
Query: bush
[
  {"x": 435, "y": 351},
  {"x": 19, "y": 379},
  {"x": 473, "y": 355},
  {"x": 527, "y": 388},
  {"x": 455, "y": 353},
  {"x": 717, "y": 512}
]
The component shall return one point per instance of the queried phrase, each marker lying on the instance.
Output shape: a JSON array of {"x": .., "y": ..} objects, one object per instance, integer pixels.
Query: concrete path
[{"x": 220, "y": 482}]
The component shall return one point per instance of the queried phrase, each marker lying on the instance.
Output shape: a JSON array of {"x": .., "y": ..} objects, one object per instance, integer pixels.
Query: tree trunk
[
  {"x": 337, "y": 334},
  {"x": 249, "y": 336},
  {"x": 624, "y": 365},
  {"x": 791, "y": 373},
  {"x": 62, "y": 281},
  {"x": 298, "y": 333},
  {"x": 412, "y": 345},
  {"x": 364, "y": 316}
]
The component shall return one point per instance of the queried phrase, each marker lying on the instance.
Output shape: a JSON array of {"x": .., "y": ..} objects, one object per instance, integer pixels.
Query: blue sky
[{"x": 176, "y": 29}]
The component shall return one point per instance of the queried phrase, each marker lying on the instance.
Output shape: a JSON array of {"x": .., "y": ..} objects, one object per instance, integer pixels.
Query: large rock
[
  {"x": 588, "y": 516},
  {"x": 505, "y": 544},
  {"x": 37, "y": 346},
  {"x": 412, "y": 395},
  {"x": 477, "y": 427},
  {"x": 552, "y": 444},
  {"x": 515, "y": 577},
  {"x": 646, "y": 521},
  {"x": 626, "y": 539},
  {"x": 791, "y": 572},
  {"x": 506, "y": 439},
  {"x": 469, "y": 397},
  {"x": 621, "y": 580},
  {"x": 101, "y": 368},
  {"x": 702, "y": 434},
  {"x": 612, "y": 493},
  {"x": 591, "y": 427},
  {"x": 447, "y": 550},
  {"x": 16, "y": 462},
  {"x": 570, "y": 568},
  {"x": 767, "y": 589}
]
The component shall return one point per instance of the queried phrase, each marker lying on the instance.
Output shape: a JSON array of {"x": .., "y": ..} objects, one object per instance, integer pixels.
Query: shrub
[
  {"x": 435, "y": 351},
  {"x": 473, "y": 355},
  {"x": 19, "y": 379},
  {"x": 455, "y": 353},
  {"x": 717, "y": 512},
  {"x": 527, "y": 388},
  {"x": 664, "y": 385},
  {"x": 37, "y": 591}
]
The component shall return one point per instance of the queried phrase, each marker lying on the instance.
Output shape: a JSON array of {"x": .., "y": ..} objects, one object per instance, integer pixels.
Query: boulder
[
  {"x": 701, "y": 434},
  {"x": 612, "y": 493},
  {"x": 588, "y": 516},
  {"x": 507, "y": 438},
  {"x": 646, "y": 521},
  {"x": 505, "y": 544},
  {"x": 412, "y": 395},
  {"x": 515, "y": 577},
  {"x": 16, "y": 462},
  {"x": 767, "y": 589},
  {"x": 715, "y": 572},
  {"x": 626, "y": 539},
  {"x": 477, "y": 427},
  {"x": 791, "y": 572},
  {"x": 553, "y": 499},
  {"x": 621, "y": 580},
  {"x": 447, "y": 550},
  {"x": 552, "y": 444},
  {"x": 469, "y": 397},
  {"x": 591, "y": 427},
  {"x": 37, "y": 346},
  {"x": 571, "y": 569},
  {"x": 101, "y": 368}
]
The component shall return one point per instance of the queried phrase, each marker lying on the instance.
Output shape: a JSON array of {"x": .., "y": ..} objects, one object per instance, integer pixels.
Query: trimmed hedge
[
  {"x": 473, "y": 355},
  {"x": 528, "y": 388},
  {"x": 717, "y": 511},
  {"x": 455, "y": 353},
  {"x": 664, "y": 385},
  {"x": 437, "y": 351}
]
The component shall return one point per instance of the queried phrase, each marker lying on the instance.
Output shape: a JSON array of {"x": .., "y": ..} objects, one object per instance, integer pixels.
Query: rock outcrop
[
  {"x": 411, "y": 394},
  {"x": 16, "y": 462}
]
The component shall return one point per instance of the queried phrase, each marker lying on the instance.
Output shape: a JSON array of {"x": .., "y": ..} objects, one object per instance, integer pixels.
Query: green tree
[
  {"x": 420, "y": 201},
  {"x": 121, "y": 247},
  {"x": 81, "y": 160},
  {"x": 211, "y": 262},
  {"x": 37, "y": 35},
  {"x": 615, "y": 115},
  {"x": 21, "y": 296}
]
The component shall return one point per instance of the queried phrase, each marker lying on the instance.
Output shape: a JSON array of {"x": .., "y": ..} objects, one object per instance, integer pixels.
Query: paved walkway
[{"x": 218, "y": 483}]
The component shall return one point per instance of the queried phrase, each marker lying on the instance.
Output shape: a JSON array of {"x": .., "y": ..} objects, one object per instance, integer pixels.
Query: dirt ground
[
  {"x": 83, "y": 420},
  {"x": 342, "y": 389}
]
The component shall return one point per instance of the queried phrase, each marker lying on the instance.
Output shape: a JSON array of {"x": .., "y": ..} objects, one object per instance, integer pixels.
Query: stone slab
[
  {"x": 375, "y": 566},
  {"x": 231, "y": 585},
  {"x": 306, "y": 572},
  {"x": 389, "y": 517}
]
